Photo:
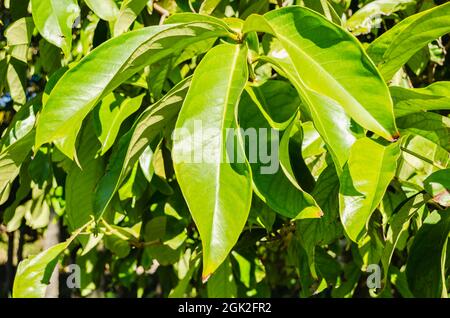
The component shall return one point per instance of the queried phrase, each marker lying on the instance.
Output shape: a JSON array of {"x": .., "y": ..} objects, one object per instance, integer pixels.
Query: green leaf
[
  {"x": 398, "y": 224},
  {"x": 438, "y": 186},
  {"x": 104, "y": 69},
  {"x": 395, "y": 47},
  {"x": 16, "y": 144},
  {"x": 188, "y": 17},
  {"x": 132, "y": 145},
  {"x": 111, "y": 113},
  {"x": 81, "y": 181},
  {"x": 222, "y": 284},
  {"x": 16, "y": 78},
  {"x": 278, "y": 189},
  {"x": 278, "y": 102},
  {"x": 54, "y": 20},
  {"x": 218, "y": 193},
  {"x": 425, "y": 269},
  {"x": 10, "y": 162},
  {"x": 331, "y": 67},
  {"x": 431, "y": 126},
  {"x": 129, "y": 11},
  {"x": 180, "y": 290},
  {"x": 415, "y": 100},
  {"x": 33, "y": 273},
  {"x": 371, "y": 14},
  {"x": 22, "y": 123},
  {"x": 104, "y": 9},
  {"x": 330, "y": 119},
  {"x": 325, "y": 8},
  {"x": 18, "y": 36},
  {"x": 208, "y": 6},
  {"x": 370, "y": 168},
  {"x": 316, "y": 232}
]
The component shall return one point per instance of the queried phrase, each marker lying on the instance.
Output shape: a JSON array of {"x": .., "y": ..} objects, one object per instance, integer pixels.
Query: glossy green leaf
[
  {"x": 217, "y": 192},
  {"x": 438, "y": 186},
  {"x": 275, "y": 186},
  {"x": 332, "y": 66},
  {"x": 111, "y": 113},
  {"x": 132, "y": 145},
  {"x": 104, "y": 69},
  {"x": 415, "y": 100},
  {"x": 426, "y": 268},
  {"x": 129, "y": 11},
  {"x": 395, "y": 47},
  {"x": 369, "y": 16},
  {"x": 104, "y": 9},
  {"x": 370, "y": 168},
  {"x": 54, "y": 20},
  {"x": 330, "y": 119},
  {"x": 291, "y": 157},
  {"x": 33, "y": 273}
]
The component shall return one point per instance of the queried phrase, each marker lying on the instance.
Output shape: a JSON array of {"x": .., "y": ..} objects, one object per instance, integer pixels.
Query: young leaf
[
  {"x": 332, "y": 66},
  {"x": 395, "y": 47},
  {"x": 425, "y": 269},
  {"x": 368, "y": 172},
  {"x": 54, "y": 20},
  {"x": 104, "y": 69},
  {"x": 218, "y": 193}
]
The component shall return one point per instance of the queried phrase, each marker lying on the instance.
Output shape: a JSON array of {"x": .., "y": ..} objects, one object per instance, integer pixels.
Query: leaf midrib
[{"x": 218, "y": 171}]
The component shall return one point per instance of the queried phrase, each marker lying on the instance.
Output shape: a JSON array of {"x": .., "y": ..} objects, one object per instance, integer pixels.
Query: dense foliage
[{"x": 101, "y": 102}]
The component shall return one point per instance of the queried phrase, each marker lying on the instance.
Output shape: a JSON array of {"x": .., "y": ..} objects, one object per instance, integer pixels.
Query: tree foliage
[{"x": 99, "y": 116}]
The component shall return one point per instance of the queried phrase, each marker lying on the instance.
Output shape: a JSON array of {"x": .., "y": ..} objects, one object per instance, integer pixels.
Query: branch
[{"x": 163, "y": 12}]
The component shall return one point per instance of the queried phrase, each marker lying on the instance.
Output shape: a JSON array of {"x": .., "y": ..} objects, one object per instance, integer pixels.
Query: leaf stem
[{"x": 163, "y": 12}]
